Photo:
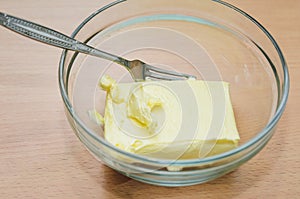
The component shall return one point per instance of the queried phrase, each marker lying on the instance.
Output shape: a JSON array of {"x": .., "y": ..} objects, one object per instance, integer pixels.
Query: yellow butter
[
  {"x": 140, "y": 105},
  {"x": 170, "y": 119}
]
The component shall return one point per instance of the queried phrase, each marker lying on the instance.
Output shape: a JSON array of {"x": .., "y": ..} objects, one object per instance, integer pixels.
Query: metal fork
[{"x": 138, "y": 69}]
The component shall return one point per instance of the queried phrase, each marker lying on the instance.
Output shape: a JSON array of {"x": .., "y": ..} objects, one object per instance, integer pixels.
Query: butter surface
[{"x": 170, "y": 119}]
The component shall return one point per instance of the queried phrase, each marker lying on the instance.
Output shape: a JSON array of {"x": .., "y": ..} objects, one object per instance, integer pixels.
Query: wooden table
[{"x": 40, "y": 157}]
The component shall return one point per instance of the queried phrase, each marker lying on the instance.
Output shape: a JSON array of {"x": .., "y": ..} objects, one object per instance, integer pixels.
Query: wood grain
[{"x": 40, "y": 157}]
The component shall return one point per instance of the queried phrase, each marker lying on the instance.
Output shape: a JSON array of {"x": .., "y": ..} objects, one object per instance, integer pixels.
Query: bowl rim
[{"x": 263, "y": 133}]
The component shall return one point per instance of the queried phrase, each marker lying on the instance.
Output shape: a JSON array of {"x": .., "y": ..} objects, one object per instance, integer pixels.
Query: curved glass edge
[{"x": 262, "y": 134}]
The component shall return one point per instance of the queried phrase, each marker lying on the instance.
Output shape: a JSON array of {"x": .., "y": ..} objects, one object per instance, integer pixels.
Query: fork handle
[{"x": 54, "y": 38}]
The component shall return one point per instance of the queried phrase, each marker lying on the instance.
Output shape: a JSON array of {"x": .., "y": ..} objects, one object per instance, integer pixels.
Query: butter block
[{"x": 170, "y": 119}]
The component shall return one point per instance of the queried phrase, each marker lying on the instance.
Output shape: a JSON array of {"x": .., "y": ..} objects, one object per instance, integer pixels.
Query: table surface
[{"x": 40, "y": 156}]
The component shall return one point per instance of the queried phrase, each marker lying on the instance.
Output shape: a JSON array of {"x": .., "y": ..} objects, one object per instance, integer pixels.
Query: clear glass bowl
[{"x": 212, "y": 40}]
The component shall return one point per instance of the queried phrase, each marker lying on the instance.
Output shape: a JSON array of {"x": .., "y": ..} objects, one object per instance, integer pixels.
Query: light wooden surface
[{"x": 40, "y": 157}]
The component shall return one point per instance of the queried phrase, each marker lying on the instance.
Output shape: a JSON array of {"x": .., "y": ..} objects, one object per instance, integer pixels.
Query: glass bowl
[{"x": 212, "y": 40}]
